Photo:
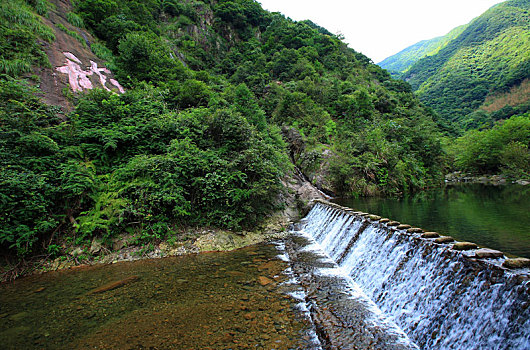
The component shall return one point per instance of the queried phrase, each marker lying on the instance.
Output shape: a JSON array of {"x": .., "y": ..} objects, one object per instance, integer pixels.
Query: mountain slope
[
  {"x": 403, "y": 60},
  {"x": 220, "y": 101},
  {"x": 490, "y": 57}
]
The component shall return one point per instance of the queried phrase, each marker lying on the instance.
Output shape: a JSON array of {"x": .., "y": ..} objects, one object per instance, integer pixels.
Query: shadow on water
[
  {"x": 496, "y": 217},
  {"x": 209, "y": 301}
]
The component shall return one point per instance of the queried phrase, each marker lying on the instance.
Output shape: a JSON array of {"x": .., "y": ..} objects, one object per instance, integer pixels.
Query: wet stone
[
  {"x": 464, "y": 246},
  {"x": 384, "y": 220},
  {"x": 265, "y": 281},
  {"x": 414, "y": 230},
  {"x": 444, "y": 239},
  {"x": 403, "y": 227},
  {"x": 485, "y": 253},
  {"x": 430, "y": 235},
  {"x": 393, "y": 223},
  {"x": 517, "y": 263}
]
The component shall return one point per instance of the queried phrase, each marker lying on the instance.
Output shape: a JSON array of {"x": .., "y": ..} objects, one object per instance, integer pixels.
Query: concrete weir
[{"x": 442, "y": 294}]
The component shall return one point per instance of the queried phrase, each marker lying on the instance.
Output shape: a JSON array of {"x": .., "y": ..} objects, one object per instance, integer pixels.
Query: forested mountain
[
  {"x": 403, "y": 60},
  {"x": 203, "y": 108},
  {"x": 482, "y": 75}
]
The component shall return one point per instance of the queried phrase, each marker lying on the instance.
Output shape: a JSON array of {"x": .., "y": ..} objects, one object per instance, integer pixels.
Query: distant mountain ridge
[
  {"x": 403, "y": 60},
  {"x": 488, "y": 59}
]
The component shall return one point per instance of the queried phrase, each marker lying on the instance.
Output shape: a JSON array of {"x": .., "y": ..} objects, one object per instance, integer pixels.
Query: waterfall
[{"x": 441, "y": 298}]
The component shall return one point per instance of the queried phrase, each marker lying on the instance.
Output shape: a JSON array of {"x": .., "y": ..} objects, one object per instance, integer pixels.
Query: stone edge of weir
[{"x": 484, "y": 256}]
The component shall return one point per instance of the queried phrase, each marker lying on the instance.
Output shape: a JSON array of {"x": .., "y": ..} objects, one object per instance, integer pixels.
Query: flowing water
[
  {"x": 439, "y": 297},
  {"x": 340, "y": 281},
  {"x": 235, "y": 300},
  {"x": 497, "y": 217}
]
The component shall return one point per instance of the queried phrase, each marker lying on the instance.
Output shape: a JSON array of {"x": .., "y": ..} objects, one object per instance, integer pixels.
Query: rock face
[
  {"x": 517, "y": 263},
  {"x": 74, "y": 65},
  {"x": 300, "y": 193},
  {"x": 464, "y": 246}
]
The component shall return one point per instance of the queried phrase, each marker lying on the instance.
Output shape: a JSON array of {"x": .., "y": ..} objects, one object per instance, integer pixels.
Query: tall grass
[
  {"x": 18, "y": 13},
  {"x": 15, "y": 67},
  {"x": 75, "y": 20},
  {"x": 41, "y": 6},
  {"x": 21, "y": 29}
]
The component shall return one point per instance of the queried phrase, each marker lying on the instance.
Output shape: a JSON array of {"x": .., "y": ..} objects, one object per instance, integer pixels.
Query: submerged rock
[
  {"x": 517, "y": 263},
  {"x": 114, "y": 285},
  {"x": 264, "y": 280},
  {"x": 464, "y": 246},
  {"x": 430, "y": 235},
  {"x": 444, "y": 239}
]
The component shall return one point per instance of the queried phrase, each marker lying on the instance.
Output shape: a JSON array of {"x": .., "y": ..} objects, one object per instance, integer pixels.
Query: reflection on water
[
  {"x": 207, "y": 301},
  {"x": 497, "y": 217}
]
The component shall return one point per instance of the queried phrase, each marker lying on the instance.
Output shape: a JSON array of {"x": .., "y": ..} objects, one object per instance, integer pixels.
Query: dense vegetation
[
  {"x": 400, "y": 62},
  {"x": 477, "y": 79},
  {"x": 503, "y": 148},
  {"x": 213, "y": 90},
  {"x": 489, "y": 58}
]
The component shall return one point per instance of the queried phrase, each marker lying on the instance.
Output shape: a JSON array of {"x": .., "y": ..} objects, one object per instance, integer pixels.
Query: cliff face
[{"x": 74, "y": 67}]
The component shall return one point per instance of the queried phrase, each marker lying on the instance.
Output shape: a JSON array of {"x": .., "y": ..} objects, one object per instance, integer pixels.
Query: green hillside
[
  {"x": 222, "y": 100},
  {"x": 403, "y": 60},
  {"x": 489, "y": 58}
]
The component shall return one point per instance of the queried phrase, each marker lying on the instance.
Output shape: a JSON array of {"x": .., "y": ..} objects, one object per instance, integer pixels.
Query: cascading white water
[{"x": 440, "y": 298}]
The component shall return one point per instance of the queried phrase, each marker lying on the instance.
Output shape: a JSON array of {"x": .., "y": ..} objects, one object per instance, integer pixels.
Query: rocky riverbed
[{"x": 223, "y": 300}]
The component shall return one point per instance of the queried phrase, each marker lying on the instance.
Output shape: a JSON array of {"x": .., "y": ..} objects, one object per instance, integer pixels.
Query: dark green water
[{"x": 496, "y": 217}]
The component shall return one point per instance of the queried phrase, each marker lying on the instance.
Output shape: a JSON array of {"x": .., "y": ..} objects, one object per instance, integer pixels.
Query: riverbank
[
  {"x": 488, "y": 179},
  {"x": 126, "y": 248}
]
